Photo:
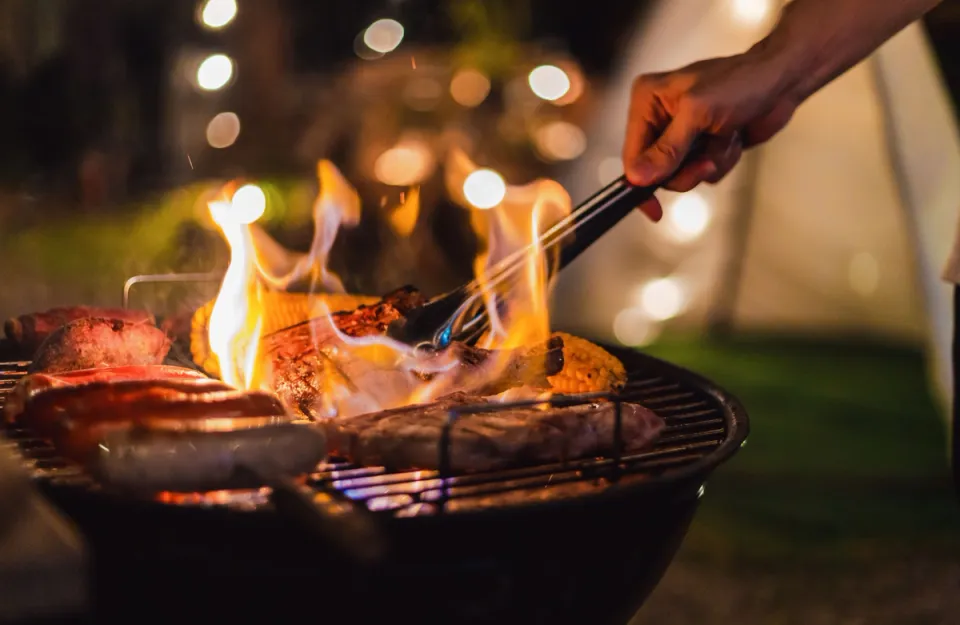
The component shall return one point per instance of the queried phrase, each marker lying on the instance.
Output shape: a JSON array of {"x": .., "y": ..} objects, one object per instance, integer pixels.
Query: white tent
[{"x": 841, "y": 224}]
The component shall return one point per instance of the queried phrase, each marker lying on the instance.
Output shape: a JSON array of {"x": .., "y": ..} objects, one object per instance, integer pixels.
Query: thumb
[{"x": 662, "y": 159}]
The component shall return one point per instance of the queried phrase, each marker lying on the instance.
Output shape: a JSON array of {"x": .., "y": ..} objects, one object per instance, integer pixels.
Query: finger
[
  {"x": 643, "y": 122},
  {"x": 660, "y": 161},
  {"x": 652, "y": 209},
  {"x": 692, "y": 174}
]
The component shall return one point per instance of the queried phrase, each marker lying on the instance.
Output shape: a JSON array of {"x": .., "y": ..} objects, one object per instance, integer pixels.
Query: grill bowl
[{"x": 590, "y": 558}]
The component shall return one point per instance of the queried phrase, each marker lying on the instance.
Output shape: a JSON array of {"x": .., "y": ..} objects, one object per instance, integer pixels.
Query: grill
[{"x": 576, "y": 542}]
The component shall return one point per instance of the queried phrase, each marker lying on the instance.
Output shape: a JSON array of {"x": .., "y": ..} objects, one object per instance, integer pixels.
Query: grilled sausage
[
  {"x": 152, "y": 461},
  {"x": 27, "y": 332},
  {"x": 30, "y": 385},
  {"x": 94, "y": 342}
]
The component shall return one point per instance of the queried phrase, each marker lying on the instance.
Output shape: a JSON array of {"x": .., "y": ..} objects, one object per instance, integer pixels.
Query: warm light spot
[
  {"x": 423, "y": 94},
  {"x": 609, "y": 169},
  {"x": 405, "y": 164},
  {"x": 484, "y": 188},
  {"x": 362, "y": 50},
  {"x": 633, "y": 327},
  {"x": 215, "y": 72},
  {"x": 751, "y": 12},
  {"x": 248, "y": 204},
  {"x": 560, "y": 141},
  {"x": 218, "y": 13},
  {"x": 662, "y": 298},
  {"x": 549, "y": 82},
  {"x": 383, "y": 36},
  {"x": 864, "y": 273},
  {"x": 469, "y": 87},
  {"x": 688, "y": 216},
  {"x": 223, "y": 130}
]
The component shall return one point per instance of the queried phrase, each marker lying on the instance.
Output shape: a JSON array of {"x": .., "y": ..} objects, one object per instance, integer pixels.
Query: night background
[{"x": 838, "y": 512}]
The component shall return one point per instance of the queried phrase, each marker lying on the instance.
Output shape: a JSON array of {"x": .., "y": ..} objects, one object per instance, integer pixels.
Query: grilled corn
[
  {"x": 280, "y": 310},
  {"x": 587, "y": 368}
]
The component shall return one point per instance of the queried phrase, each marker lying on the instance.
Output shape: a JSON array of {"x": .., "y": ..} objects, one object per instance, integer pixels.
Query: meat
[
  {"x": 27, "y": 332},
  {"x": 30, "y": 385},
  {"x": 409, "y": 437},
  {"x": 93, "y": 342},
  {"x": 237, "y": 457}
]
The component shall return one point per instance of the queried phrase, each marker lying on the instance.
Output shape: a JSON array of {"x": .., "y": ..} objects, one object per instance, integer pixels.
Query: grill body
[{"x": 576, "y": 560}]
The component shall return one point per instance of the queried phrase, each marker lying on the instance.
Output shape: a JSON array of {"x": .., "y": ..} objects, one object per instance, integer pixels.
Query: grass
[{"x": 846, "y": 456}]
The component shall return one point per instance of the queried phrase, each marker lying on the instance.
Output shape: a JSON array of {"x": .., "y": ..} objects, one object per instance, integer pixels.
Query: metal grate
[{"x": 703, "y": 427}]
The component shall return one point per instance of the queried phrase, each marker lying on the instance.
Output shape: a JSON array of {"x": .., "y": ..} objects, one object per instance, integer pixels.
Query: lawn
[{"x": 838, "y": 510}]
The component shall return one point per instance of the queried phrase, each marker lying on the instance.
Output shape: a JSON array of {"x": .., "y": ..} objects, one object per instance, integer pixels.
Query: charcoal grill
[{"x": 577, "y": 542}]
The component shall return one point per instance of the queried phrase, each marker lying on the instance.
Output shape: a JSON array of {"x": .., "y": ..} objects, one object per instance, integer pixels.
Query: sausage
[
  {"x": 28, "y": 331},
  {"x": 95, "y": 342},
  {"x": 142, "y": 460},
  {"x": 30, "y": 385}
]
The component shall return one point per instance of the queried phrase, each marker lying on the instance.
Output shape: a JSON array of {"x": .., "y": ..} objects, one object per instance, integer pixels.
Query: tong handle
[{"x": 600, "y": 213}]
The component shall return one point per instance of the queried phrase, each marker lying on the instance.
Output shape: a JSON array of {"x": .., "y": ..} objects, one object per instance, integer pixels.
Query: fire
[{"x": 374, "y": 372}]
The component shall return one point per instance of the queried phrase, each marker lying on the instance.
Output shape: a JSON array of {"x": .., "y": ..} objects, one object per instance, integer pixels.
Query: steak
[
  {"x": 94, "y": 342},
  {"x": 27, "y": 332},
  {"x": 410, "y": 437}
]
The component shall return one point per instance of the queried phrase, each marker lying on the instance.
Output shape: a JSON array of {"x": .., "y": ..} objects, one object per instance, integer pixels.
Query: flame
[{"x": 373, "y": 372}]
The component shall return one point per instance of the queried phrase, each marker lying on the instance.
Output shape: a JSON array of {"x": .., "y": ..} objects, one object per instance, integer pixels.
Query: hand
[{"x": 730, "y": 103}]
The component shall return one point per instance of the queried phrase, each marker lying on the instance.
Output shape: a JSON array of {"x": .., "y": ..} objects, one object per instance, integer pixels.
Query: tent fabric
[{"x": 841, "y": 225}]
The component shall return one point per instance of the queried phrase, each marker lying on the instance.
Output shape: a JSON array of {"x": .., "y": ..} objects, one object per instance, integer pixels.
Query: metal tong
[{"x": 460, "y": 315}]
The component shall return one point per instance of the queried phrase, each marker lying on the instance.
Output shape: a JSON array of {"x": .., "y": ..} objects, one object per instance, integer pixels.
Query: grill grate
[{"x": 699, "y": 423}]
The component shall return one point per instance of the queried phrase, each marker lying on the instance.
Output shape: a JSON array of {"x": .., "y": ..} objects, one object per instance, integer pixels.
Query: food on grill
[
  {"x": 410, "y": 437},
  {"x": 587, "y": 368},
  {"x": 27, "y": 332},
  {"x": 280, "y": 310},
  {"x": 308, "y": 366},
  {"x": 30, "y": 385},
  {"x": 236, "y": 457},
  {"x": 93, "y": 342}
]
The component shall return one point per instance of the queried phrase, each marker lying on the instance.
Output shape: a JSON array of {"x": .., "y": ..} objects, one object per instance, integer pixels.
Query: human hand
[{"x": 728, "y": 104}]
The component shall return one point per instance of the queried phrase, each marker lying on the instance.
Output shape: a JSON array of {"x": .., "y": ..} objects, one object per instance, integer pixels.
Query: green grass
[{"x": 846, "y": 453}]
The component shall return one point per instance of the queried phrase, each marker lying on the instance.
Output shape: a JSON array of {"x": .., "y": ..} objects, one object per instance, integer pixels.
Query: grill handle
[{"x": 334, "y": 518}]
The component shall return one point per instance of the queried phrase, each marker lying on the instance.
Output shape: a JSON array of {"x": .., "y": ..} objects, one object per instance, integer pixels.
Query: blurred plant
[{"x": 490, "y": 33}]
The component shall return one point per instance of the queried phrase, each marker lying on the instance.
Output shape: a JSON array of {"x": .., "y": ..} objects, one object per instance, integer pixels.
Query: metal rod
[{"x": 167, "y": 277}]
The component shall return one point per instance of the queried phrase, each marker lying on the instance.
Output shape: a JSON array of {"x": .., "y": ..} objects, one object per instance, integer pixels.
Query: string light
[
  {"x": 484, "y": 189},
  {"x": 214, "y": 72},
  {"x": 549, "y": 82},
  {"x": 662, "y": 298},
  {"x": 383, "y": 36},
  {"x": 404, "y": 164},
  {"x": 469, "y": 87},
  {"x": 223, "y": 130},
  {"x": 687, "y": 216},
  {"x": 248, "y": 204},
  {"x": 560, "y": 141},
  {"x": 218, "y": 13}
]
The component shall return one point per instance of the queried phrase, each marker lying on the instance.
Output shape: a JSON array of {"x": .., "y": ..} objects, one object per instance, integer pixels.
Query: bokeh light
[
  {"x": 223, "y": 130},
  {"x": 469, "y": 87},
  {"x": 484, "y": 189},
  {"x": 751, "y": 12},
  {"x": 634, "y": 328},
  {"x": 549, "y": 82},
  {"x": 248, "y": 204},
  {"x": 405, "y": 164},
  {"x": 383, "y": 36},
  {"x": 216, "y": 14},
  {"x": 214, "y": 72},
  {"x": 662, "y": 299},
  {"x": 560, "y": 141},
  {"x": 687, "y": 216}
]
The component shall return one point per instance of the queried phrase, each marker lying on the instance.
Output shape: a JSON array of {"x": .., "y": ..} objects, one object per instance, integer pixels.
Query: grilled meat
[
  {"x": 30, "y": 385},
  {"x": 94, "y": 342},
  {"x": 27, "y": 332},
  {"x": 237, "y": 457},
  {"x": 410, "y": 437}
]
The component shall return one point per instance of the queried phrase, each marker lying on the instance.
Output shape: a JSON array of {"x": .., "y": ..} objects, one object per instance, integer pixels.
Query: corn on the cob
[
  {"x": 587, "y": 368},
  {"x": 280, "y": 310}
]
